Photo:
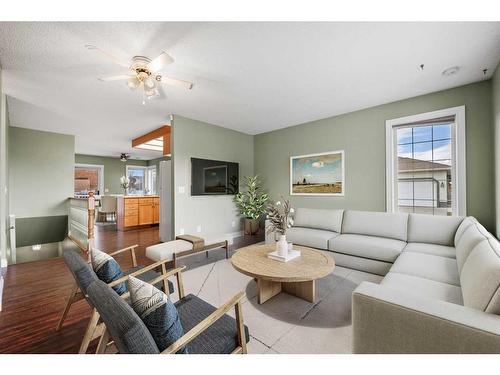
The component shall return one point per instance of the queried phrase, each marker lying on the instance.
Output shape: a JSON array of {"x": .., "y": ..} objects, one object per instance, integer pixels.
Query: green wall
[
  {"x": 215, "y": 214},
  {"x": 40, "y": 183},
  {"x": 4, "y": 202},
  {"x": 362, "y": 135},
  {"x": 40, "y": 172},
  {"x": 114, "y": 169},
  {"x": 496, "y": 124}
]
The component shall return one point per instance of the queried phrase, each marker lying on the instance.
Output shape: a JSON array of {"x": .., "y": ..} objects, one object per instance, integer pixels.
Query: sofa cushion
[
  {"x": 428, "y": 267},
  {"x": 379, "y": 224},
  {"x": 480, "y": 277},
  {"x": 430, "y": 248},
  {"x": 319, "y": 218},
  {"x": 157, "y": 312},
  {"x": 310, "y": 237},
  {"x": 107, "y": 269},
  {"x": 378, "y": 248},
  {"x": 472, "y": 235},
  {"x": 468, "y": 221},
  {"x": 424, "y": 287},
  {"x": 439, "y": 230}
]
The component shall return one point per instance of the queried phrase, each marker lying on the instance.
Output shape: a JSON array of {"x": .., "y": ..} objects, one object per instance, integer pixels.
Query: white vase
[{"x": 282, "y": 246}]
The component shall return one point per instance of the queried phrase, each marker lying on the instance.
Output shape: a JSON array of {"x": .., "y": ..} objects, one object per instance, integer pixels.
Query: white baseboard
[
  {"x": 228, "y": 236},
  {"x": 3, "y": 262}
]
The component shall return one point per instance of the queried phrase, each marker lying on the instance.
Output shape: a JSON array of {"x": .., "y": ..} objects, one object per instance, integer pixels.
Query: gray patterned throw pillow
[
  {"x": 157, "y": 312},
  {"x": 107, "y": 269}
]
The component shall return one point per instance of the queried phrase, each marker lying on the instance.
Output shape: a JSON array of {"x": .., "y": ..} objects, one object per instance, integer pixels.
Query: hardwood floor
[{"x": 35, "y": 293}]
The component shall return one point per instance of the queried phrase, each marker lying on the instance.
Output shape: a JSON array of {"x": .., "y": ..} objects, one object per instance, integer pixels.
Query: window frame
[
  {"x": 459, "y": 201},
  {"x": 147, "y": 169},
  {"x": 100, "y": 167}
]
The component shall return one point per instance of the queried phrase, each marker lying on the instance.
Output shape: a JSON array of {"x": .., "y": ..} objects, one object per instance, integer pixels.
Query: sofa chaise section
[{"x": 433, "y": 304}]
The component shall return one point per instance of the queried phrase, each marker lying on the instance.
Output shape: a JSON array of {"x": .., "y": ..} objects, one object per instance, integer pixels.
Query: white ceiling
[{"x": 251, "y": 77}]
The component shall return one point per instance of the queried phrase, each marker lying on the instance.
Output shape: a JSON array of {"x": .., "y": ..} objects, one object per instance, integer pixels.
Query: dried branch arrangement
[{"x": 279, "y": 217}]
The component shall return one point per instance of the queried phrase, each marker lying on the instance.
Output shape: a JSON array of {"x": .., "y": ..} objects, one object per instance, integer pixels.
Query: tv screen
[{"x": 214, "y": 177}]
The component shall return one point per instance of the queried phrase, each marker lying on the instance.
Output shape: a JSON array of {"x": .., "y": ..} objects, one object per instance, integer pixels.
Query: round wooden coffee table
[{"x": 296, "y": 277}]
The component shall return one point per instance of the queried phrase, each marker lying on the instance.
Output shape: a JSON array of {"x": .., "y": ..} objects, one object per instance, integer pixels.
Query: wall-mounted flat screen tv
[{"x": 214, "y": 177}]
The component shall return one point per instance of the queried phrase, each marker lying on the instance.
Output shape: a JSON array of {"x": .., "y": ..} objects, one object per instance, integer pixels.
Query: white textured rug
[{"x": 284, "y": 324}]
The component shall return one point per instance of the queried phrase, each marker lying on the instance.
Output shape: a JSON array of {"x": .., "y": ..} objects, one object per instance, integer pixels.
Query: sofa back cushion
[
  {"x": 439, "y": 230},
  {"x": 472, "y": 235},
  {"x": 480, "y": 277},
  {"x": 319, "y": 218},
  {"x": 466, "y": 223},
  {"x": 380, "y": 224}
]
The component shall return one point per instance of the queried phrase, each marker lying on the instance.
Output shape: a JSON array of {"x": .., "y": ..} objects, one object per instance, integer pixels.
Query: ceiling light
[
  {"x": 149, "y": 83},
  {"x": 450, "y": 71},
  {"x": 133, "y": 83}
]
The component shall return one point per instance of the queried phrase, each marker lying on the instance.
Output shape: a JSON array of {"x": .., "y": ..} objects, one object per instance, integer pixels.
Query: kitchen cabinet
[{"x": 137, "y": 211}]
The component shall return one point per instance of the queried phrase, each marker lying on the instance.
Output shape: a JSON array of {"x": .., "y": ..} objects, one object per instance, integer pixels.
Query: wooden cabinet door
[
  {"x": 145, "y": 214},
  {"x": 156, "y": 210}
]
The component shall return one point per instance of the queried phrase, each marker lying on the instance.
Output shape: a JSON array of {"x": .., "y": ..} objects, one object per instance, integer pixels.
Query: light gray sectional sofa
[{"x": 441, "y": 290}]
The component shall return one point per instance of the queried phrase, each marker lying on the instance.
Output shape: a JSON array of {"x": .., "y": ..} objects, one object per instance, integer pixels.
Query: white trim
[
  {"x": 319, "y": 154},
  {"x": 100, "y": 167},
  {"x": 458, "y": 153}
]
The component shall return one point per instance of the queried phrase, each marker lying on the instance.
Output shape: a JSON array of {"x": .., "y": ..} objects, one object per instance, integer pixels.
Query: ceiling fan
[{"x": 143, "y": 73}]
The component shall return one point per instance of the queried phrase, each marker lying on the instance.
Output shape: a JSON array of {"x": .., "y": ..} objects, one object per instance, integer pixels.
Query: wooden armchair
[
  {"x": 84, "y": 276},
  {"x": 209, "y": 330}
]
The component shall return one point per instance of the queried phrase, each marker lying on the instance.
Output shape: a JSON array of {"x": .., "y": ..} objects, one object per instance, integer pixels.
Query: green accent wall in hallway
[{"x": 362, "y": 135}]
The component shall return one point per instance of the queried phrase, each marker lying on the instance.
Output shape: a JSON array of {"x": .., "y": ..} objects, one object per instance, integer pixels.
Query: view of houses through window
[
  {"x": 142, "y": 180},
  {"x": 425, "y": 166}
]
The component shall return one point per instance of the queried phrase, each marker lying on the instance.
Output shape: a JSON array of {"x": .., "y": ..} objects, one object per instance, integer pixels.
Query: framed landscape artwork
[{"x": 318, "y": 174}]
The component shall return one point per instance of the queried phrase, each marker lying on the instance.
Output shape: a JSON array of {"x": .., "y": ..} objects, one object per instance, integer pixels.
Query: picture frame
[{"x": 319, "y": 174}]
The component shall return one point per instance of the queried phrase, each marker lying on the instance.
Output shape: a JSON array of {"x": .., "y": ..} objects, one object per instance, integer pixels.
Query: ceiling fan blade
[
  {"x": 160, "y": 62},
  {"x": 176, "y": 82},
  {"x": 109, "y": 56},
  {"x": 115, "y": 78}
]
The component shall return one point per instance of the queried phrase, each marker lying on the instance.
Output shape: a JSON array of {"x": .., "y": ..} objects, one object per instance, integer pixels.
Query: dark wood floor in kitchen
[{"x": 35, "y": 294}]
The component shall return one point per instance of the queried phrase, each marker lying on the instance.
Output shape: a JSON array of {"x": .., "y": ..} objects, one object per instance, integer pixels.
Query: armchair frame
[{"x": 235, "y": 302}]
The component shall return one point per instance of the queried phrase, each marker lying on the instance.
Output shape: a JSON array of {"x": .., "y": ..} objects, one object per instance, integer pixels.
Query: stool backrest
[{"x": 108, "y": 203}]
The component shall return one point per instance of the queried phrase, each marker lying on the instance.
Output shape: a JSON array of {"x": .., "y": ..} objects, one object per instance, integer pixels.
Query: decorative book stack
[{"x": 289, "y": 255}]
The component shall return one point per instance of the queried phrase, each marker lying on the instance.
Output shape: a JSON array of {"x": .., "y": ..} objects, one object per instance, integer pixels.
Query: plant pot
[{"x": 251, "y": 226}]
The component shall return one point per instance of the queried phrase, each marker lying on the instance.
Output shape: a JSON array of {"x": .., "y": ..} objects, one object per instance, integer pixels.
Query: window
[
  {"x": 88, "y": 177},
  {"x": 426, "y": 163},
  {"x": 142, "y": 180}
]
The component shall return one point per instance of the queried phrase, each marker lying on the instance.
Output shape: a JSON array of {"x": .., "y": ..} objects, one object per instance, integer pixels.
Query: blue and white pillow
[
  {"x": 157, "y": 312},
  {"x": 107, "y": 269}
]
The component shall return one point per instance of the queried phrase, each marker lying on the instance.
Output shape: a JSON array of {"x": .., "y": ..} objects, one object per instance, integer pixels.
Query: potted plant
[
  {"x": 279, "y": 216},
  {"x": 251, "y": 203}
]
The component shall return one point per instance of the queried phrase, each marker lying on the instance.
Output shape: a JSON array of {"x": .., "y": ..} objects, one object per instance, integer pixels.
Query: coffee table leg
[
  {"x": 267, "y": 289},
  {"x": 304, "y": 290}
]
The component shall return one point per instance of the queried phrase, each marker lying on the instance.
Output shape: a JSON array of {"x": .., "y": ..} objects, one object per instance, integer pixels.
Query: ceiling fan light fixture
[
  {"x": 133, "y": 83},
  {"x": 149, "y": 82}
]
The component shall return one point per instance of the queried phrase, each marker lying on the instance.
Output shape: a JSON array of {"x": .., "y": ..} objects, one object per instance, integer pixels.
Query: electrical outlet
[
  {"x": 198, "y": 228},
  {"x": 106, "y": 190},
  {"x": 182, "y": 190},
  {"x": 233, "y": 224},
  {"x": 181, "y": 231}
]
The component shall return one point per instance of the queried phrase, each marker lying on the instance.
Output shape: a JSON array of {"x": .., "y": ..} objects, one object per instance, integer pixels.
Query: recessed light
[{"x": 450, "y": 71}]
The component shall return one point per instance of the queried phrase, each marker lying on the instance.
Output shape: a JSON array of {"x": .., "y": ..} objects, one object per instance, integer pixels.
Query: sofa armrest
[{"x": 387, "y": 320}]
